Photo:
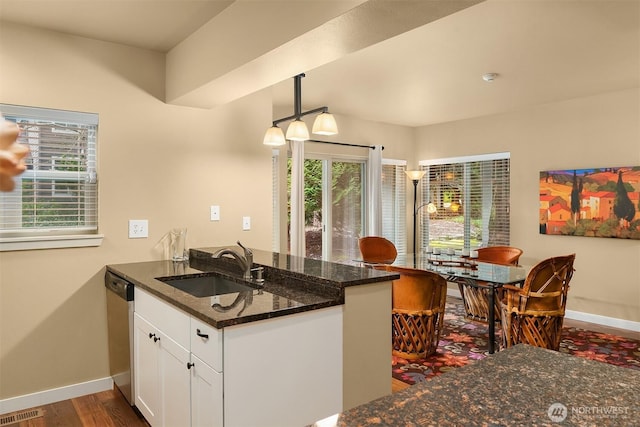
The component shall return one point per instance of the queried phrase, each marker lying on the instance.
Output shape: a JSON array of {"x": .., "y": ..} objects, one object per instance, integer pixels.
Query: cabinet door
[
  {"x": 285, "y": 371},
  {"x": 147, "y": 366},
  {"x": 206, "y": 395},
  {"x": 174, "y": 381}
]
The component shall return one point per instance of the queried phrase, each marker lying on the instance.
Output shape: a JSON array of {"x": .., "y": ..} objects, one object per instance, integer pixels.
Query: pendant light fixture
[{"x": 324, "y": 124}]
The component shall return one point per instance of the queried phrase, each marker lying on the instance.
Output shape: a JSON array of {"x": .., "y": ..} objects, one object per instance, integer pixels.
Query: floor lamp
[{"x": 415, "y": 176}]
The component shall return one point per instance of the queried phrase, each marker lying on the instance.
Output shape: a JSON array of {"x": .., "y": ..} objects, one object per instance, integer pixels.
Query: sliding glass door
[
  {"x": 346, "y": 209},
  {"x": 333, "y": 201}
]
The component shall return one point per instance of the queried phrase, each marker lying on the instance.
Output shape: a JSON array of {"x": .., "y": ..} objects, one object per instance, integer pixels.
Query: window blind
[
  {"x": 466, "y": 202},
  {"x": 58, "y": 193},
  {"x": 394, "y": 202},
  {"x": 275, "y": 185}
]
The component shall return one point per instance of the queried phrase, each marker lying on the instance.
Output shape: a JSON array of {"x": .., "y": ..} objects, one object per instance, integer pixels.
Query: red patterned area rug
[{"x": 464, "y": 341}]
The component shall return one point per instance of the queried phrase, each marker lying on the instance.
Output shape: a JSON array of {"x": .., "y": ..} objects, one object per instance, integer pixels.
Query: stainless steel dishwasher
[{"x": 120, "y": 324}]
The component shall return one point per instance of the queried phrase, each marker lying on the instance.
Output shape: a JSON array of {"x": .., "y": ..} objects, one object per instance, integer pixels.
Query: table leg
[{"x": 492, "y": 318}]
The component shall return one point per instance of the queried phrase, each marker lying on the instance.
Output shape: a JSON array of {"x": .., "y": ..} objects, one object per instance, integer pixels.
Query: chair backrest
[
  {"x": 417, "y": 289},
  {"x": 377, "y": 250},
  {"x": 547, "y": 284},
  {"x": 500, "y": 255}
]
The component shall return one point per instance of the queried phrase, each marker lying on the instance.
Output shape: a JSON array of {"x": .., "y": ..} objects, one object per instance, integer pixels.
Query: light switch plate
[
  {"x": 138, "y": 228},
  {"x": 246, "y": 223},
  {"x": 215, "y": 213}
]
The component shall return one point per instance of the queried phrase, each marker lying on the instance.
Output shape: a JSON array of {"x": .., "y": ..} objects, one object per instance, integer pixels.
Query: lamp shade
[
  {"x": 415, "y": 175},
  {"x": 325, "y": 124},
  {"x": 297, "y": 131},
  {"x": 274, "y": 136}
]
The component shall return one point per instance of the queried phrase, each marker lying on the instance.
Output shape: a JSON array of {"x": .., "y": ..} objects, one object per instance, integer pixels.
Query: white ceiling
[
  {"x": 543, "y": 51},
  {"x": 150, "y": 24}
]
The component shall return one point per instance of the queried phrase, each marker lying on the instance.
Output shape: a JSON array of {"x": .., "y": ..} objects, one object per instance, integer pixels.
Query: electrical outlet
[
  {"x": 138, "y": 228},
  {"x": 246, "y": 223},
  {"x": 215, "y": 213}
]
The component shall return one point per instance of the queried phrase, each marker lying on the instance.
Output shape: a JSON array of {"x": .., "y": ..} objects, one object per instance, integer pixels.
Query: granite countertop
[
  {"x": 292, "y": 285},
  {"x": 522, "y": 385}
]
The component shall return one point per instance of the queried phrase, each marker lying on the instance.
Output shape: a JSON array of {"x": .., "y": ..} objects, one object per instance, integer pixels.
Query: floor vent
[{"x": 17, "y": 417}]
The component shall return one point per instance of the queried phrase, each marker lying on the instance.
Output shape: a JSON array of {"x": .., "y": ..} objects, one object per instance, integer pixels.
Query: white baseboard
[
  {"x": 45, "y": 397},
  {"x": 612, "y": 322},
  {"x": 603, "y": 320}
]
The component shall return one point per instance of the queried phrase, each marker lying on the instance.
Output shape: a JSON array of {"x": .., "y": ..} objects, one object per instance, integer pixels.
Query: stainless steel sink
[{"x": 205, "y": 286}]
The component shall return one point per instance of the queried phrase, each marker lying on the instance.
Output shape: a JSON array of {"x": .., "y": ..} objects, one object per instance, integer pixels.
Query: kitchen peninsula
[
  {"x": 522, "y": 385},
  {"x": 288, "y": 350}
]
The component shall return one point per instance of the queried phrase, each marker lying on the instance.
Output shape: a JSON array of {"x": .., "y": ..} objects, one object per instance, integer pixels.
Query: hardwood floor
[
  {"x": 110, "y": 409},
  {"x": 397, "y": 385},
  {"x": 105, "y": 409}
]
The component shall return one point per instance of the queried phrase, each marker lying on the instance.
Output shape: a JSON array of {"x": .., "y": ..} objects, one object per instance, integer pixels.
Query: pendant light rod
[
  {"x": 298, "y": 115},
  {"x": 297, "y": 102},
  {"x": 297, "y": 95}
]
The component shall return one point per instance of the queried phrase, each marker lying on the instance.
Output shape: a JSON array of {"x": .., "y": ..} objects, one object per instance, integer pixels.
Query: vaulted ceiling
[{"x": 404, "y": 62}]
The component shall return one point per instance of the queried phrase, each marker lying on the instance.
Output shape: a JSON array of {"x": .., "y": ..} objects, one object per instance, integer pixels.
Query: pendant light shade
[
  {"x": 325, "y": 124},
  {"x": 274, "y": 136},
  {"x": 297, "y": 131}
]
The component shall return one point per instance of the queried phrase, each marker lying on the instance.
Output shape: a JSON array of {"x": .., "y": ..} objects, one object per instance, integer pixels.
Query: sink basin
[{"x": 205, "y": 286}]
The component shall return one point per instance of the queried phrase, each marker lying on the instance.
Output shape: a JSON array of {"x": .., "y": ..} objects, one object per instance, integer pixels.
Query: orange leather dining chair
[
  {"x": 475, "y": 300},
  {"x": 417, "y": 314},
  {"x": 500, "y": 255},
  {"x": 534, "y": 313},
  {"x": 377, "y": 250}
]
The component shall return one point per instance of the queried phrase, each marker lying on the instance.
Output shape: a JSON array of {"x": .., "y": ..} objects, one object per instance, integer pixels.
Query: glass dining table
[{"x": 459, "y": 269}]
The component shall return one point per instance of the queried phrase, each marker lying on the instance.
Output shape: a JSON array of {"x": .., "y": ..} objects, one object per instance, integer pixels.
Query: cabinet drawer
[
  {"x": 168, "y": 319},
  {"x": 206, "y": 343}
]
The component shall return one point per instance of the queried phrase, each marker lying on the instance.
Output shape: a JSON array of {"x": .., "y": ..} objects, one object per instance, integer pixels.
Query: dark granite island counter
[
  {"x": 519, "y": 386},
  {"x": 293, "y": 286}
]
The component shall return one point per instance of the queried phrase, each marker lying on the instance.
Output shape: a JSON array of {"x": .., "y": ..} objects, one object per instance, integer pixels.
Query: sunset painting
[{"x": 600, "y": 202}]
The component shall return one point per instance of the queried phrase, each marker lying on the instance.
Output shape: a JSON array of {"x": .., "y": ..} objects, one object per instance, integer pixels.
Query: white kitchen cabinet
[
  {"x": 206, "y": 375},
  {"x": 206, "y": 395},
  {"x": 162, "y": 375},
  {"x": 175, "y": 383},
  {"x": 162, "y": 378},
  {"x": 147, "y": 367},
  {"x": 285, "y": 371}
]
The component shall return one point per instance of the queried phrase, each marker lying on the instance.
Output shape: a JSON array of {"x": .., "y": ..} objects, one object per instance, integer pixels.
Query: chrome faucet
[{"x": 245, "y": 261}]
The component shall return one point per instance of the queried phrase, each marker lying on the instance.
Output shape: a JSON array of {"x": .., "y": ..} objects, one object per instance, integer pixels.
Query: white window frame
[{"x": 18, "y": 238}]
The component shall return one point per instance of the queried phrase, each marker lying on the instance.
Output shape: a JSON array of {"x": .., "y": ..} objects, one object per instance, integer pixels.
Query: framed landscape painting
[{"x": 599, "y": 202}]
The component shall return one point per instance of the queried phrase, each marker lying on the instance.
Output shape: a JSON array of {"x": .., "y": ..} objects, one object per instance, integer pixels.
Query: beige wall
[
  {"x": 598, "y": 131},
  {"x": 168, "y": 164},
  {"x": 159, "y": 162}
]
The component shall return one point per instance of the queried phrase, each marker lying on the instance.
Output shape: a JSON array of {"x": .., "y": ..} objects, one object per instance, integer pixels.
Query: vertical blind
[
  {"x": 275, "y": 212},
  {"x": 58, "y": 193},
  {"x": 394, "y": 183},
  {"x": 466, "y": 201}
]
